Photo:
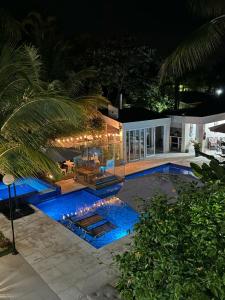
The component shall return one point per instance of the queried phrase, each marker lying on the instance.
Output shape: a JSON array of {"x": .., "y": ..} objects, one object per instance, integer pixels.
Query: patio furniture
[
  {"x": 96, "y": 231},
  {"x": 88, "y": 221},
  {"x": 87, "y": 174},
  {"x": 101, "y": 229},
  {"x": 212, "y": 143}
]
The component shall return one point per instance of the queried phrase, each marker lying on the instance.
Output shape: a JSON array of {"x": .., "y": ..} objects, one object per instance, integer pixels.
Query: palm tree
[
  {"x": 33, "y": 111},
  {"x": 193, "y": 51},
  {"x": 54, "y": 50}
]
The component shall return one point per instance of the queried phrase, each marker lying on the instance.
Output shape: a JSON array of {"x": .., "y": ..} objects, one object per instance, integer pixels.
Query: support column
[
  {"x": 166, "y": 142},
  {"x": 183, "y": 135},
  {"x": 200, "y": 129}
]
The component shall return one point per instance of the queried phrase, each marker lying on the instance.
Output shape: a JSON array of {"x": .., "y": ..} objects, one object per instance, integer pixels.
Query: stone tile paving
[{"x": 18, "y": 281}]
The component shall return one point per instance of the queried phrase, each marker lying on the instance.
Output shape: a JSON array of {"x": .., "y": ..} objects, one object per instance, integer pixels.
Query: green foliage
[
  {"x": 33, "y": 112},
  {"x": 128, "y": 67},
  {"x": 178, "y": 249},
  {"x": 197, "y": 146},
  {"x": 42, "y": 32},
  {"x": 214, "y": 172},
  {"x": 196, "y": 48}
]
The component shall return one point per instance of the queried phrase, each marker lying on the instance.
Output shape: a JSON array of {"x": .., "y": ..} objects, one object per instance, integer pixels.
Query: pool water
[
  {"x": 25, "y": 186},
  {"x": 168, "y": 168},
  {"x": 119, "y": 214},
  {"x": 83, "y": 203}
]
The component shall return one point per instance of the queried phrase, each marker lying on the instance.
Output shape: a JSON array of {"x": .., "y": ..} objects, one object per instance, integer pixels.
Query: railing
[{"x": 175, "y": 143}]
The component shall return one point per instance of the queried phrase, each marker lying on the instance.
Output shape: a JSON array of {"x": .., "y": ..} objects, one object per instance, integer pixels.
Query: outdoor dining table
[{"x": 87, "y": 173}]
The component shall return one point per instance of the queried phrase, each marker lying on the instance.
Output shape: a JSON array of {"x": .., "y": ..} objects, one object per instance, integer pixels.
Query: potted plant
[{"x": 197, "y": 147}]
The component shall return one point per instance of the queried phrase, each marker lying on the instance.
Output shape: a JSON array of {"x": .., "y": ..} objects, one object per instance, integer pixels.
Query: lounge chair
[
  {"x": 91, "y": 220},
  {"x": 88, "y": 221},
  {"x": 101, "y": 229}
]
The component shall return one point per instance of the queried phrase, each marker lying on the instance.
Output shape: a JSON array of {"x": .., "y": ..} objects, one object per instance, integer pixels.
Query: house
[
  {"x": 132, "y": 134},
  {"x": 143, "y": 133},
  {"x": 194, "y": 125}
]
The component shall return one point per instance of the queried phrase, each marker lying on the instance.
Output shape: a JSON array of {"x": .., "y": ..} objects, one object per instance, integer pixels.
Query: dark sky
[{"x": 162, "y": 22}]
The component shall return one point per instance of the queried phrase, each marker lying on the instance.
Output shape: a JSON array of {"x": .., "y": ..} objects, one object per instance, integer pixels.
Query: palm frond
[
  {"x": 41, "y": 109},
  {"x": 207, "y": 8},
  {"x": 75, "y": 82},
  {"x": 22, "y": 161},
  {"x": 31, "y": 64},
  {"x": 10, "y": 29},
  {"x": 194, "y": 50},
  {"x": 91, "y": 102}
]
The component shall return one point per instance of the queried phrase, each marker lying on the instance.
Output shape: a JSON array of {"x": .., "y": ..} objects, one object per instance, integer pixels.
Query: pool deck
[
  {"x": 177, "y": 158},
  {"x": 70, "y": 267}
]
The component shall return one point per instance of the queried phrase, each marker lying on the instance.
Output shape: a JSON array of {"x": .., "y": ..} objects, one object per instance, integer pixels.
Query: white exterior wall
[
  {"x": 165, "y": 122},
  {"x": 202, "y": 124}
]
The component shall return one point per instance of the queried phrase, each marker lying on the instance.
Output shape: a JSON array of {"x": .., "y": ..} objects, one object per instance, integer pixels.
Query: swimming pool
[
  {"x": 85, "y": 204},
  {"x": 168, "y": 168},
  {"x": 29, "y": 187},
  {"x": 82, "y": 204}
]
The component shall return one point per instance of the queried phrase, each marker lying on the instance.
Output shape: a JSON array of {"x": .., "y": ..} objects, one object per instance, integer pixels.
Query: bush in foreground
[{"x": 178, "y": 250}]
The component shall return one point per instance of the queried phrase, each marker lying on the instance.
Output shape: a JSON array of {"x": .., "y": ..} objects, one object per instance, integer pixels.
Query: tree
[
  {"x": 178, "y": 248},
  {"x": 128, "y": 67},
  {"x": 193, "y": 51},
  {"x": 32, "y": 112},
  {"x": 54, "y": 49}
]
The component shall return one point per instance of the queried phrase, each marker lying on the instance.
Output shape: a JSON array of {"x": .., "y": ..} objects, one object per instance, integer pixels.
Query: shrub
[{"x": 178, "y": 251}]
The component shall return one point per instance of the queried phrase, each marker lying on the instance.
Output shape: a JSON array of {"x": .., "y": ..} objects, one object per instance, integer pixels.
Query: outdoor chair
[{"x": 212, "y": 143}]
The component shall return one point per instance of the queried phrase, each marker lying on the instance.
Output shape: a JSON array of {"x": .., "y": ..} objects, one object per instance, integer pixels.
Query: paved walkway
[
  {"x": 71, "y": 267},
  {"x": 18, "y": 281}
]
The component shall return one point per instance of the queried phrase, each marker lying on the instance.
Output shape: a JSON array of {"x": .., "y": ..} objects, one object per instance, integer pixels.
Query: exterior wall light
[{"x": 219, "y": 92}]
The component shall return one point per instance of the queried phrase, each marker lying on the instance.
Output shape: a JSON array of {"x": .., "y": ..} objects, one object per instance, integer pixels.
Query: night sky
[{"x": 162, "y": 23}]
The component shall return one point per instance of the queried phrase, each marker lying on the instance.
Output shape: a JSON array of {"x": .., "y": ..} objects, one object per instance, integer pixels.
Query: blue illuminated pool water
[
  {"x": 165, "y": 168},
  {"x": 26, "y": 186},
  {"x": 121, "y": 215}
]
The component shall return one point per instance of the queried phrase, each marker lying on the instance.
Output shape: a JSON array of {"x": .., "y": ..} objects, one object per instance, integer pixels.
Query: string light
[
  {"x": 87, "y": 137},
  {"x": 82, "y": 211}
]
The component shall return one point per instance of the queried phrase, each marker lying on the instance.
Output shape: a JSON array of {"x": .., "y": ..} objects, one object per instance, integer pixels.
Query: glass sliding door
[
  {"x": 142, "y": 144},
  {"x": 128, "y": 145},
  {"x": 150, "y": 149},
  {"x": 159, "y": 136},
  {"x": 137, "y": 144},
  {"x": 133, "y": 145}
]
